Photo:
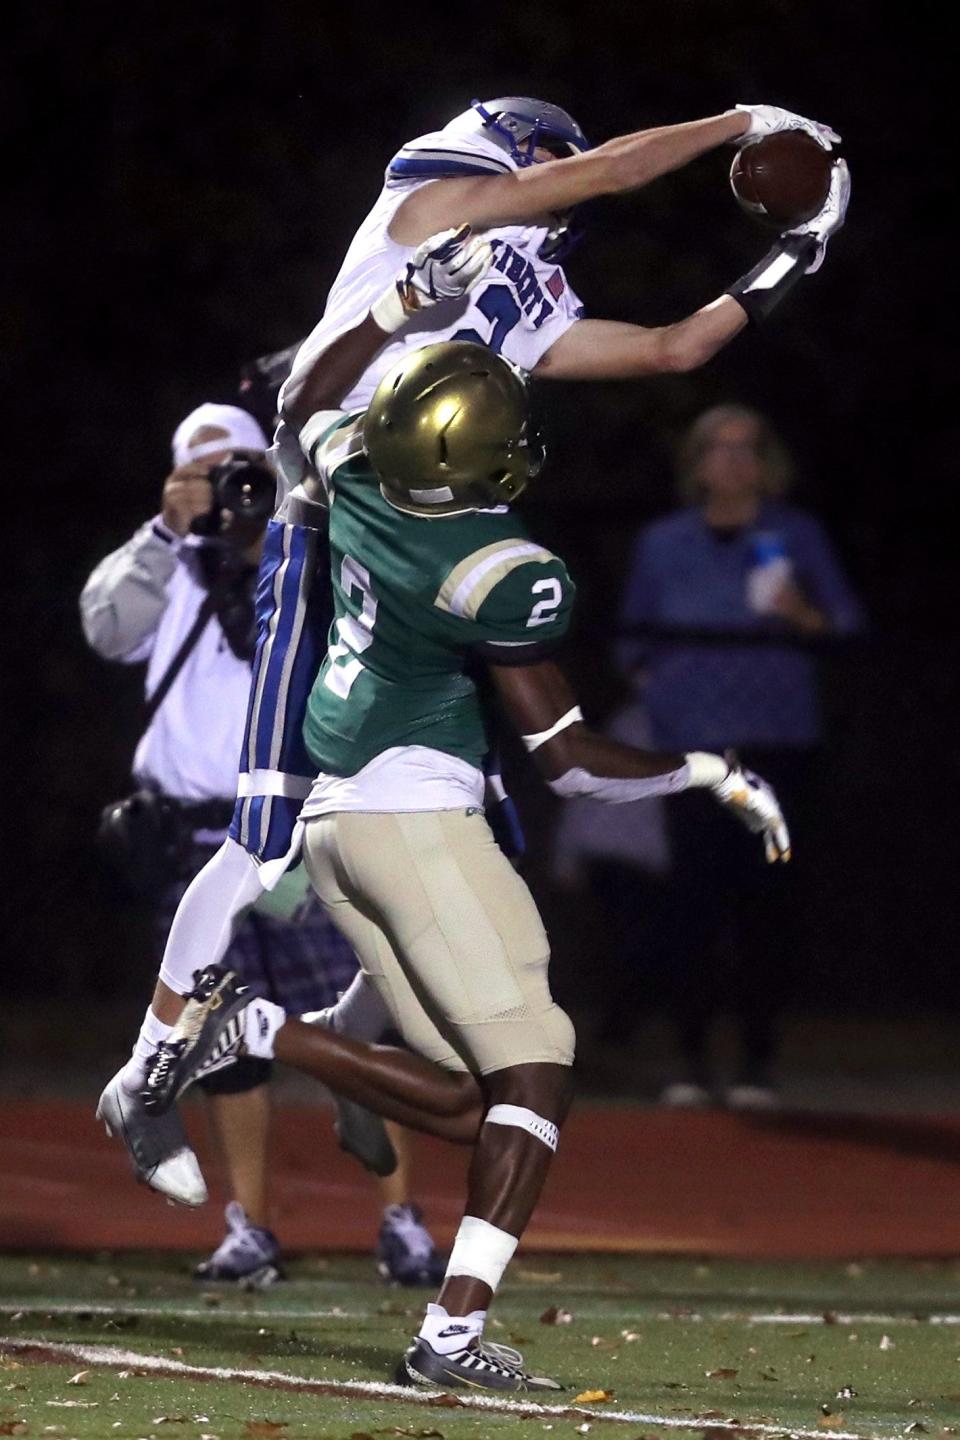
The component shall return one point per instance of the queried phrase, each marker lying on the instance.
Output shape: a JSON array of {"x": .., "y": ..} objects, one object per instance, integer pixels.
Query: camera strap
[{"x": 200, "y": 623}]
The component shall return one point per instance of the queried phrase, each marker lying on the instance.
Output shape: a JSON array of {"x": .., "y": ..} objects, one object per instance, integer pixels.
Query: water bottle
[{"x": 770, "y": 569}]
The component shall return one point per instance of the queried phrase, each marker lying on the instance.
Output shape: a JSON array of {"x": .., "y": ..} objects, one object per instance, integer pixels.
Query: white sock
[
  {"x": 446, "y": 1333},
  {"x": 261, "y": 1021},
  {"x": 152, "y": 1031},
  {"x": 359, "y": 1013}
]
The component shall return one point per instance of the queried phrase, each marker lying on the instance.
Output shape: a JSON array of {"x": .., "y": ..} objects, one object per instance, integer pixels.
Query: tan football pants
[{"x": 446, "y": 930}]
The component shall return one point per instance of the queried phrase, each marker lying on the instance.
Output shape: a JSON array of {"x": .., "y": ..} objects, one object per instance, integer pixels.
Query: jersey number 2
[
  {"x": 503, "y": 312},
  {"x": 356, "y": 634},
  {"x": 545, "y": 610}
]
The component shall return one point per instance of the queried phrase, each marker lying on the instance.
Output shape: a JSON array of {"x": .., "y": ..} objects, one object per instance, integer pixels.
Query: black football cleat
[
  {"x": 208, "y": 1036},
  {"x": 478, "y": 1366}
]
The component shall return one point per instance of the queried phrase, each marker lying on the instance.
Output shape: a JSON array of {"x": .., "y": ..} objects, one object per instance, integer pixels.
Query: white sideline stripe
[
  {"x": 182, "y": 1312},
  {"x": 373, "y": 1389},
  {"x": 307, "y": 1312}
]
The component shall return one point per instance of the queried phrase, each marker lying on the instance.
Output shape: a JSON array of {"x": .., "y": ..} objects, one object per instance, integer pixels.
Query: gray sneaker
[
  {"x": 478, "y": 1366},
  {"x": 158, "y": 1147},
  {"x": 248, "y": 1255}
]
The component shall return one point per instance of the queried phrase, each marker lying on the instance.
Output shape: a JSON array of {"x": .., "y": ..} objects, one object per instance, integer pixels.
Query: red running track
[{"x": 625, "y": 1179}]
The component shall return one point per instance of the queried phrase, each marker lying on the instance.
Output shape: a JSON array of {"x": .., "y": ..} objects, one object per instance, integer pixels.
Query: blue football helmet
[{"x": 520, "y": 125}]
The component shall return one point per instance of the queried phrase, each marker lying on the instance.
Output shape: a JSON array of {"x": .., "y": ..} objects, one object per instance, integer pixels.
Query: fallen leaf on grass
[
  {"x": 14, "y": 1427},
  {"x": 886, "y": 1343},
  {"x": 916, "y": 1428},
  {"x": 592, "y": 1397},
  {"x": 263, "y": 1429},
  {"x": 82, "y": 1377},
  {"x": 599, "y": 1343},
  {"x": 846, "y": 1392},
  {"x": 554, "y": 1315},
  {"x": 73, "y": 1404},
  {"x": 830, "y": 1422},
  {"x": 830, "y": 1317},
  {"x": 629, "y": 1335},
  {"x": 170, "y": 1420},
  {"x": 724, "y": 1373}
]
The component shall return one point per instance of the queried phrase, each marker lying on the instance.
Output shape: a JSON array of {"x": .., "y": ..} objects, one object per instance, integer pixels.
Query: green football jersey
[{"x": 417, "y": 602}]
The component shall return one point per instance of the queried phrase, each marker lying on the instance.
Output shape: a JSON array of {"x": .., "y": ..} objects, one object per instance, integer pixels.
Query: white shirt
[{"x": 139, "y": 604}]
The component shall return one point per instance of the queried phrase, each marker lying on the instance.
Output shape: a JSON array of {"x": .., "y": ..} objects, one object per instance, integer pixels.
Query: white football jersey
[{"x": 521, "y": 307}]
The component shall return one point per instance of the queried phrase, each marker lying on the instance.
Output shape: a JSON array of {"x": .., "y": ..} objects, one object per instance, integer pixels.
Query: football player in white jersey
[{"x": 514, "y": 169}]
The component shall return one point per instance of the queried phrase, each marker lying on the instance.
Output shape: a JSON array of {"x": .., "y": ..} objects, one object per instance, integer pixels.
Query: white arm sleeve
[
  {"x": 619, "y": 790},
  {"x": 207, "y": 917}
]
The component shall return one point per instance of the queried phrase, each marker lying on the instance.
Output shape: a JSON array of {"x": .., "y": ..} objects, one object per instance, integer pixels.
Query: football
[{"x": 782, "y": 179}]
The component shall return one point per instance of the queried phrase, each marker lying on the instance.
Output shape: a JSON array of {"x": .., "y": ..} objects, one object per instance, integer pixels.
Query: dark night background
[{"x": 184, "y": 182}]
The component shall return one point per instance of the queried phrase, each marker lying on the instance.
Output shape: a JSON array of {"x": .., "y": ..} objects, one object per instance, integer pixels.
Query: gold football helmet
[{"x": 447, "y": 431}]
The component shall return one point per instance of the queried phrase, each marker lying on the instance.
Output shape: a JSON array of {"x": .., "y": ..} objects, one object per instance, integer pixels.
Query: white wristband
[
  {"x": 320, "y": 423},
  {"x": 705, "y": 770},
  {"x": 388, "y": 312}
]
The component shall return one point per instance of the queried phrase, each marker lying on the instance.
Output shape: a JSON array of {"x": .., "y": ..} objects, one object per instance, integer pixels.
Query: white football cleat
[{"x": 158, "y": 1147}]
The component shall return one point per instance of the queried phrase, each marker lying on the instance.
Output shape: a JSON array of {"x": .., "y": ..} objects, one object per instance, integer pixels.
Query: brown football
[{"x": 782, "y": 179}]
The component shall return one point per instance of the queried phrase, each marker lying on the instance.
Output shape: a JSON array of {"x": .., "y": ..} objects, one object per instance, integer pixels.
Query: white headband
[{"x": 242, "y": 432}]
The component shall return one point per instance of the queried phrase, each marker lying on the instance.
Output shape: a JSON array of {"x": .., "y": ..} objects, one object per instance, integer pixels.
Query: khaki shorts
[{"x": 446, "y": 930}]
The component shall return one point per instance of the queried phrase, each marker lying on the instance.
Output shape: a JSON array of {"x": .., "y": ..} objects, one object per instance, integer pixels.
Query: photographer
[{"x": 180, "y": 595}]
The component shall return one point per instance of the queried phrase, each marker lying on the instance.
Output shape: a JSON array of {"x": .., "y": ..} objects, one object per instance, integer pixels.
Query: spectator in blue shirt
[{"x": 736, "y": 561}]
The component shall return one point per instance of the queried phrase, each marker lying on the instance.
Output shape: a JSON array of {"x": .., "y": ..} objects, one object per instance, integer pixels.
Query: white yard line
[
  {"x": 235, "y": 1309},
  {"x": 113, "y": 1355}
]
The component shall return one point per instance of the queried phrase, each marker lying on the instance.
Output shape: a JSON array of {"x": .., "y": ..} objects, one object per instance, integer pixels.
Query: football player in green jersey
[{"x": 434, "y": 575}]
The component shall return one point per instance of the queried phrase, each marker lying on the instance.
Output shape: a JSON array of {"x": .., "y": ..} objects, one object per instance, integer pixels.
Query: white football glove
[
  {"x": 754, "y": 803},
  {"x": 768, "y": 119},
  {"x": 831, "y": 216},
  {"x": 444, "y": 267}
]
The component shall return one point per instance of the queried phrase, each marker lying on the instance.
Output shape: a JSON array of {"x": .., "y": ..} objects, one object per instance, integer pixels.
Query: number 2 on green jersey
[{"x": 356, "y": 634}]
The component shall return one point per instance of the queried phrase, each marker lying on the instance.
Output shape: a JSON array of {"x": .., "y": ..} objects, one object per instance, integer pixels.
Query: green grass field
[{"x": 871, "y": 1349}]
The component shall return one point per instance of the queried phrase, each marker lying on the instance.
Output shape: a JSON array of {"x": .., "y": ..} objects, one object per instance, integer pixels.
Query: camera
[{"x": 244, "y": 487}]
